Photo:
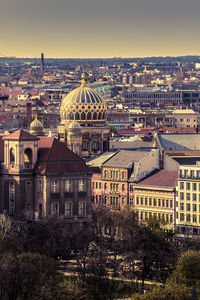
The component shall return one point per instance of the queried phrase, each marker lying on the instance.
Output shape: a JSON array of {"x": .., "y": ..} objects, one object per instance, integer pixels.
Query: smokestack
[{"x": 42, "y": 62}]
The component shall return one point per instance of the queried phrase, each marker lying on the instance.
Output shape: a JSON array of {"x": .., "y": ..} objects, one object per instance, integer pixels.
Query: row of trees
[{"x": 111, "y": 248}]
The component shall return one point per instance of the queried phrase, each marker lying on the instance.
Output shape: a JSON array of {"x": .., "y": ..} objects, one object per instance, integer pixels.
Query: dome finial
[{"x": 83, "y": 83}]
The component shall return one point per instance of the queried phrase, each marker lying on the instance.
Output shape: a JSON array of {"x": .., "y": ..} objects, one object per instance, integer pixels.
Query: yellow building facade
[
  {"x": 155, "y": 197},
  {"x": 188, "y": 200}
]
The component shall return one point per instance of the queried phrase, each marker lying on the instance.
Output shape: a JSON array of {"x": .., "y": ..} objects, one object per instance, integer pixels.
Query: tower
[
  {"x": 74, "y": 138},
  {"x": 42, "y": 63},
  {"x": 20, "y": 158}
]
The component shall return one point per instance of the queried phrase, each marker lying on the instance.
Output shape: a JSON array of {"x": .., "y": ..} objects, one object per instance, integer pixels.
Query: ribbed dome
[
  {"x": 36, "y": 127},
  {"x": 74, "y": 126},
  {"x": 83, "y": 105}
]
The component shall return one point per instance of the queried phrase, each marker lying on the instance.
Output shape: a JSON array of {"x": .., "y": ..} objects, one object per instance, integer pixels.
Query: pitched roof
[
  {"x": 20, "y": 135},
  {"x": 162, "y": 178},
  {"x": 182, "y": 141},
  {"x": 125, "y": 158},
  {"x": 55, "y": 158}
]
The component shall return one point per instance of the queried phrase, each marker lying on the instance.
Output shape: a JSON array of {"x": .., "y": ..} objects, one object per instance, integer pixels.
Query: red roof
[
  {"x": 55, "y": 157},
  {"x": 162, "y": 178},
  {"x": 21, "y": 135}
]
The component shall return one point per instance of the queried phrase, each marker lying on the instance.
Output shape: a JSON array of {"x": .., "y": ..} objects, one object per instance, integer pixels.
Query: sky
[{"x": 99, "y": 28}]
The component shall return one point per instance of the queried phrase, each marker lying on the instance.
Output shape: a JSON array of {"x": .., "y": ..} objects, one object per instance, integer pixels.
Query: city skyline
[{"x": 94, "y": 29}]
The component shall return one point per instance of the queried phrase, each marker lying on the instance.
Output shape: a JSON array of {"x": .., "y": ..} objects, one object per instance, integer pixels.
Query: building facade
[{"x": 41, "y": 177}]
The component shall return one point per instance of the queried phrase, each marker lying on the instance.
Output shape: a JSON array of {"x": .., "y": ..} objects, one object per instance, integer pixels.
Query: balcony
[
  {"x": 68, "y": 194},
  {"x": 82, "y": 194},
  {"x": 55, "y": 195}
]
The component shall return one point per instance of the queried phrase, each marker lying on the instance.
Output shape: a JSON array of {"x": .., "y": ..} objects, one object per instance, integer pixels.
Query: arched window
[
  {"x": 94, "y": 116},
  {"x": 77, "y": 117},
  {"x": 82, "y": 116},
  {"x": 99, "y": 116},
  {"x": 89, "y": 116},
  {"x": 12, "y": 156},
  {"x": 71, "y": 116},
  {"x": 28, "y": 156}
]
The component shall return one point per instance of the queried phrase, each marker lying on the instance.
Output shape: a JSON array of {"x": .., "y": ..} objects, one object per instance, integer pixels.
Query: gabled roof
[
  {"x": 55, "y": 158},
  {"x": 162, "y": 178},
  {"x": 20, "y": 135}
]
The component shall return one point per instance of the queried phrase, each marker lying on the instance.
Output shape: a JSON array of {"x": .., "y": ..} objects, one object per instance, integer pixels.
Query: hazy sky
[{"x": 99, "y": 28}]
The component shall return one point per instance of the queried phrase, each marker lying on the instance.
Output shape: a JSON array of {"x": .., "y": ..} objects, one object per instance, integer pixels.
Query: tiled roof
[
  {"x": 21, "y": 135},
  {"x": 55, "y": 158},
  {"x": 162, "y": 178},
  {"x": 125, "y": 158}
]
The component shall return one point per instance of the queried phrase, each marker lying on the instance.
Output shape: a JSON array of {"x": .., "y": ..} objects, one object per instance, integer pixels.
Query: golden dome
[
  {"x": 74, "y": 126},
  {"x": 83, "y": 105},
  {"x": 36, "y": 127}
]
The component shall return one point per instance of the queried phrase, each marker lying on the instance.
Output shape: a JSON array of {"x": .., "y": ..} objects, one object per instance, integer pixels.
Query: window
[
  {"x": 194, "y": 218},
  {"x": 28, "y": 185},
  {"x": 171, "y": 203},
  {"x": 187, "y": 207},
  {"x": 96, "y": 185},
  {"x": 181, "y": 217},
  {"x": 123, "y": 200},
  {"x": 141, "y": 200},
  {"x": 181, "y": 185},
  {"x": 187, "y": 186},
  {"x": 182, "y": 196},
  {"x": 69, "y": 185},
  {"x": 131, "y": 188},
  {"x": 117, "y": 187},
  {"x": 149, "y": 201},
  {"x": 167, "y": 218},
  {"x": 171, "y": 218},
  {"x": 188, "y": 218},
  {"x": 68, "y": 208},
  {"x": 141, "y": 215},
  {"x": 145, "y": 201},
  {"x": 123, "y": 187},
  {"x": 163, "y": 202},
  {"x": 137, "y": 200},
  {"x": 105, "y": 199},
  {"x": 194, "y": 186},
  {"x": 154, "y": 201},
  {"x": 194, "y": 197},
  {"x": 93, "y": 185},
  {"x": 81, "y": 185},
  {"x": 55, "y": 209},
  {"x": 181, "y": 206},
  {"x": 55, "y": 186},
  {"x": 105, "y": 186},
  {"x": 99, "y": 185},
  {"x": 187, "y": 196},
  {"x": 167, "y": 203},
  {"x": 131, "y": 201},
  {"x": 194, "y": 207},
  {"x": 105, "y": 174},
  {"x": 117, "y": 174},
  {"x": 82, "y": 208},
  {"x": 123, "y": 175}
]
